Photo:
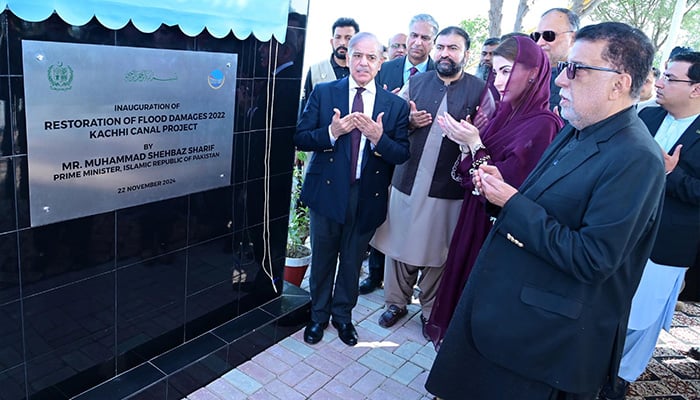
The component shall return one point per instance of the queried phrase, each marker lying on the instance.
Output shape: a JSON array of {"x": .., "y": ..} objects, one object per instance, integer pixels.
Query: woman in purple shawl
[{"x": 513, "y": 139}]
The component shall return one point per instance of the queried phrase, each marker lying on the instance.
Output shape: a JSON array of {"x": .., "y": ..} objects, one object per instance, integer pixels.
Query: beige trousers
[{"x": 400, "y": 278}]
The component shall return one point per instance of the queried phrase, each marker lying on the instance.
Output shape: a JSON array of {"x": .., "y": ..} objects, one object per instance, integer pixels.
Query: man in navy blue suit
[
  {"x": 421, "y": 33},
  {"x": 357, "y": 132}
]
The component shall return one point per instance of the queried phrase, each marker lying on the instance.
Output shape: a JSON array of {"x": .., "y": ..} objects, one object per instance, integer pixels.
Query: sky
[{"x": 385, "y": 18}]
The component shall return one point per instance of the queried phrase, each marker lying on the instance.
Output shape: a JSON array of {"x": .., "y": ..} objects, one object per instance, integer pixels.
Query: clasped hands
[
  {"x": 489, "y": 182},
  {"x": 372, "y": 130},
  {"x": 463, "y": 132}
]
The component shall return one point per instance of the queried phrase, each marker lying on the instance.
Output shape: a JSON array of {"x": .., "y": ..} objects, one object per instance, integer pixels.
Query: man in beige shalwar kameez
[{"x": 425, "y": 198}]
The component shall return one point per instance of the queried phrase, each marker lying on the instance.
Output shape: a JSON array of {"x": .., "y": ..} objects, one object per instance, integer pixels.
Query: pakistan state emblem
[{"x": 60, "y": 76}]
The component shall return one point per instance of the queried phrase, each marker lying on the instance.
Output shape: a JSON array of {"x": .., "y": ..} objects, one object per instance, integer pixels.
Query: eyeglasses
[
  {"x": 397, "y": 45},
  {"x": 667, "y": 78},
  {"x": 571, "y": 68},
  {"x": 548, "y": 36}
]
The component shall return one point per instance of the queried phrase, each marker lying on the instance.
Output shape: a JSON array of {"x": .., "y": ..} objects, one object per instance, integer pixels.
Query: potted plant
[{"x": 298, "y": 255}]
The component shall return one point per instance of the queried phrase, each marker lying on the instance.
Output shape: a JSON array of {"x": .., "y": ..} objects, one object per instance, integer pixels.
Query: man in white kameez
[
  {"x": 676, "y": 128},
  {"x": 424, "y": 199}
]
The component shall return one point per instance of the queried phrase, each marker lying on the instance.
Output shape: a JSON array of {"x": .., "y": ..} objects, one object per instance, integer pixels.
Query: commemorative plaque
[{"x": 112, "y": 127}]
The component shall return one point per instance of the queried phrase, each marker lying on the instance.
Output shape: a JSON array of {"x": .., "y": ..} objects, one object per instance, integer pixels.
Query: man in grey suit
[{"x": 544, "y": 312}]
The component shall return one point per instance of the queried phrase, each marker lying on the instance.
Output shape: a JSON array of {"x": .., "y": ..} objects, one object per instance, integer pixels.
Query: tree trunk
[
  {"x": 523, "y": 8},
  {"x": 495, "y": 17},
  {"x": 676, "y": 20}
]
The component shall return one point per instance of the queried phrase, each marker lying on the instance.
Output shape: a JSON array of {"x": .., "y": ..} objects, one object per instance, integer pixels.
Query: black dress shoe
[
  {"x": 369, "y": 285},
  {"x": 615, "y": 390},
  {"x": 424, "y": 325},
  {"x": 346, "y": 332},
  {"x": 392, "y": 315},
  {"x": 314, "y": 332},
  {"x": 694, "y": 353}
]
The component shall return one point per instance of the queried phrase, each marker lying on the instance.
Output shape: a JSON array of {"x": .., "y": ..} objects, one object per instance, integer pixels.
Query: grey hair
[
  {"x": 362, "y": 36},
  {"x": 574, "y": 21},
  {"x": 428, "y": 19}
]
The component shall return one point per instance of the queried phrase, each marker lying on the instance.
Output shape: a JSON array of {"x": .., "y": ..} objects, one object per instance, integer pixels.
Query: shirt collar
[
  {"x": 688, "y": 120},
  {"x": 371, "y": 87},
  {"x": 422, "y": 67}
]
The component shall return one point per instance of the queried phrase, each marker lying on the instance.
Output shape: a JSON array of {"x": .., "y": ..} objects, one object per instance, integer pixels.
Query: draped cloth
[{"x": 515, "y": 138}]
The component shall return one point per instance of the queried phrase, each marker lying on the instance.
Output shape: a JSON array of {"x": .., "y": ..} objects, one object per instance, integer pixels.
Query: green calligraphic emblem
[
  {"x": 145, "y": 76},
  {"x": 60, "y": 76}
]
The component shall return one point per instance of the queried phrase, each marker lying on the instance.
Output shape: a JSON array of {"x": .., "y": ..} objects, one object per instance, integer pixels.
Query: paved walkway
[{"x": 393, "y": 363}]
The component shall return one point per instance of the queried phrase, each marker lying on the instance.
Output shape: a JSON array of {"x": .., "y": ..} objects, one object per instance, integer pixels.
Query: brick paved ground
[{"x": 393, "y": 363}]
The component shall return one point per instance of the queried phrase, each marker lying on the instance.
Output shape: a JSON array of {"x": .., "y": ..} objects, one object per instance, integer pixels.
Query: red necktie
[
  {"x": 412, "y": 71},
  {"x": 355, "y": 134}
]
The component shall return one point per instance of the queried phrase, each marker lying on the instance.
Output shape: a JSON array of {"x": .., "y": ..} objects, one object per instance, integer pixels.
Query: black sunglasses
[
  {"x": 548, "y": 36},
  {"x": 571, "y": 68}
]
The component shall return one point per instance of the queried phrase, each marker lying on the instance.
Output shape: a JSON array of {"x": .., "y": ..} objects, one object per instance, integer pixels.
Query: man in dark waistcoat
[{"x": 425, "y": 201}]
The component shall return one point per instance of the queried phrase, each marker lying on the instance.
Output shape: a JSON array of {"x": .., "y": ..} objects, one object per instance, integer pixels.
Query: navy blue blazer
[
  {"x": 554, "y": 280},
  {"x": 678, "y": 240},
  {"x": 326, "y": 185},
  {"x": 391, "y": 73}
]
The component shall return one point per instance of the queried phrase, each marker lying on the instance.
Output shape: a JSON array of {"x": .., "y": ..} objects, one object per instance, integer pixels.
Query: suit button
[
  {"x": 376, "y": 195},
  {"x": 376, "y": 172},
  {"x": 328, "y": 181},
  {"x": 331, "y": 159}
]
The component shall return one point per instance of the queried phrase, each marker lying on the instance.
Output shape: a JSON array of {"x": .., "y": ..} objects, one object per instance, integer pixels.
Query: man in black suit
[
  {"x": 544, "y": 312},
  {"x": 555, "y": 35},
  {"x": 676, "y": 128},
  {"x": 422, "y": 31},
  {"x": 354, "y": 150}
]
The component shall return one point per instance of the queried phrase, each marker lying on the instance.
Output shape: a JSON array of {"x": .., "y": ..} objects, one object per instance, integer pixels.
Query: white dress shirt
[{"x": 368, "y": 97}]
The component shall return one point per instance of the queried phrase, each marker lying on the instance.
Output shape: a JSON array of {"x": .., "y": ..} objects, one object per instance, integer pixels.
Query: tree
[
  {"x": 651, "y": 16},
  {"x": 495, "y": 17},
  {"x": 689, "y": 28},
  {"x": 478, "y": 30},
  {"x": 584, "y": 7},
  {"x": 676, "y": 19},
  {"x": 523, "y": 8}
]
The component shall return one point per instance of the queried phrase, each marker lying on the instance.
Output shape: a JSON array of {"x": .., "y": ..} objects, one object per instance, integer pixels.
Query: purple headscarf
[{"x": 535, "y": 98}]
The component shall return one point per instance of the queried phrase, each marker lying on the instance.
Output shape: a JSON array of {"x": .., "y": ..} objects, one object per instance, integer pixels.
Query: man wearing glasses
[
  {"x": 544, "y": 312},
  {"x": 555, "y": 35},
  {"x": 397, "y": 46},
  {"x": 675, "y": 126}
]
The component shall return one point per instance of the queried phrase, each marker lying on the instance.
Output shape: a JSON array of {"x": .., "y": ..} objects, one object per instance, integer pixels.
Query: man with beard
[
  {"x": 422, "y": 30},
  {"x": 424, "y": 199},
  {"x": 336, "y": 67},
  {"x": 485, "y": 65}
]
